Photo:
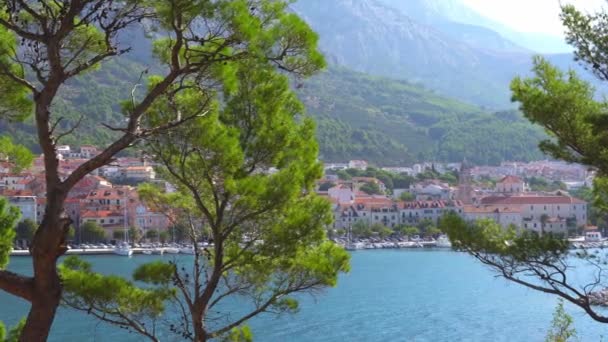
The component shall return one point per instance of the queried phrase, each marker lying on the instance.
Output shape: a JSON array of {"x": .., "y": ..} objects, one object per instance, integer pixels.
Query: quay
[{"x": 80, "y": 251}]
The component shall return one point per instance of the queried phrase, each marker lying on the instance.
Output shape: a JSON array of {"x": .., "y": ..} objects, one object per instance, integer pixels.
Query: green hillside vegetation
[
  {"x": 358, "y": 116},
  {"x": 392, "y": 122}
]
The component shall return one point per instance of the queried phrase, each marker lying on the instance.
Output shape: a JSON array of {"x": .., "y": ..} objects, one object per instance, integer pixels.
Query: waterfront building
[
  {"x": 543, "y": 212},
  {"x": 26, "y": 205},
  {"x": 501, "y": 214}
]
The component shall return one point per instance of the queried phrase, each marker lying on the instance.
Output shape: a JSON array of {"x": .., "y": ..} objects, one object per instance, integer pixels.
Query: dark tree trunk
[{"x": 47, "y": 247}]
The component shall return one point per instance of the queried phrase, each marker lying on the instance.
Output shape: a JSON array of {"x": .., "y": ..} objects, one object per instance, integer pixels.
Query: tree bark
[
  {"x": 200, "y": 335},
  {"x": 47, "y": 247}
]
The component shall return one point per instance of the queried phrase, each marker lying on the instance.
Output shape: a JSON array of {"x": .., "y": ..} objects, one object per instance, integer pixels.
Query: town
[
  {"x": 106, "y": 197},
  {"x": 109, "y": 199},
  {"x": 499, "y": 193}
]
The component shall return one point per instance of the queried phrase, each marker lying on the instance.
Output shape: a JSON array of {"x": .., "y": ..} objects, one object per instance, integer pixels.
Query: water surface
[{"x": 389, "y": 295}]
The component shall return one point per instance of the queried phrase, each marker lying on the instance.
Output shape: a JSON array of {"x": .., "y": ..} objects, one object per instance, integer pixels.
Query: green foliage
[
  {"x": 407, "y": 196},
  {"x": 18, "y": 155},
  {"x": 134, "y": 234},
  {"x": 561, "y": 326},
  {"x": 239, "y": 334},
  {"x": 25, "y": 230},
  {"x": 432, "y": 231},
  {"x": 163, "y": 236},
  {"x": 8, "y": 218},
  {"x": 564, "y": 104},
  {"x": 488, "y": 237},
  {"x": 391, "y": 180},
  {"x": 411, "y": 231},
  {"x": 541, "y": 184},
  {"x": 151, "y": 234},
  {"x": 396, "y": 122},
  {"x": 371, "y": 188},
  {"x": 326, "y": 186},
  {"x": 118, "y": 234},
  {"x": 15, "y": 103},
  {"x": 270, "y": 226},
  {"x": 92, "y": 232},
  {"x": 114, "y": 296},
  {"x": 15, "y": 332},
  {"x": 157, "y": 273},
  {"x": 361, "y": 229}
]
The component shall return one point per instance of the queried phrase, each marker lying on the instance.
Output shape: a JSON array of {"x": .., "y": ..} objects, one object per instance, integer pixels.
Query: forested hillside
[{"x": 360, "y": 116}]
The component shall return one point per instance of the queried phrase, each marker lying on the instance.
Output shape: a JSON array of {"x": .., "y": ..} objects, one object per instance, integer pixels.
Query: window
[
  {"x": 558, "y": 207},
  {"x": 531, "y": 207},
  {"x": 102, "y": 220},
  {"x": 535, "y": 225}
]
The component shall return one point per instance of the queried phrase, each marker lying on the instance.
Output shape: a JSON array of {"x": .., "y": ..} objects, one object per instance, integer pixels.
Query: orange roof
[
  {"x": 8, "y": 192},
  {"x": 491, "y": 209},
  {"x": 100, "y": 213},
  {"x": 531, "y": 200},
  {"x": 424, "y": 204}
]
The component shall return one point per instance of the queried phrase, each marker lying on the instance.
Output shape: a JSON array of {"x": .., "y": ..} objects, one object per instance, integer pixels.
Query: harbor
[{"x": 121, "y": 250}]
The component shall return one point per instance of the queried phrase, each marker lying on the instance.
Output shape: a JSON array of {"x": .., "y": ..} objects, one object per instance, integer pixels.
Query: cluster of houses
[
  {"x": 94, "y": 199},
  {"x": 509, "y": 203}
]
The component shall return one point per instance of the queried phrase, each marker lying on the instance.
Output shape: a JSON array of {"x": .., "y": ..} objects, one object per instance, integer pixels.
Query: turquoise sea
[{"x": 389, "y": 295}]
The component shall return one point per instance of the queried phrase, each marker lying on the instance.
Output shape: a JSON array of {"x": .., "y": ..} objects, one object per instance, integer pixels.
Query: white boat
[
  {"x": 147, "y": 251},
  {"x": 123, "y": 249},
  {"x": 171, "y": 250},
  {"x": 158, "y": 251},
  {"x": 443, "y": 242},
  {"x": 187, "y": 250}
]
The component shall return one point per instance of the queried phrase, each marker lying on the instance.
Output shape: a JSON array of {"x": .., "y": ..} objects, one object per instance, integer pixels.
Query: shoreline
[{"x": 92, "y": 251}]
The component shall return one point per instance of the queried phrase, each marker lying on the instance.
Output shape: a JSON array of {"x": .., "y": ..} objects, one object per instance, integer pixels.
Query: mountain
[
  {"x": 439, "y": 12},
  {"x": 463, "y": 61},
  {"x": 370, "y": 37},
  {"x": 385, "y": 121},
  {"x": 459, "y": 22}
]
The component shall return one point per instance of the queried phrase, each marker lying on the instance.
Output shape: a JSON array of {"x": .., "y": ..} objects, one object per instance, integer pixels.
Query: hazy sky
[{"x": 531, "y": 15}]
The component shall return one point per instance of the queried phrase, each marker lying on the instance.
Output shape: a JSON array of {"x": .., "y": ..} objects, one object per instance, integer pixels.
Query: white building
[
  {"x": 555, "y": 211},
  {"x": 26, "y": 205},
  {"x": 357, "y": 164},
  {"x": 140, "y": 173},
  {"x": 503, "y": 215}
]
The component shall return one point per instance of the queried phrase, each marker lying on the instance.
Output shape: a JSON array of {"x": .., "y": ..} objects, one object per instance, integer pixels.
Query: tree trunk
[
  {"x": 47, "y": 294},
  {"x": 47, "y": 247},
  {"x": 200, "y": 335}
]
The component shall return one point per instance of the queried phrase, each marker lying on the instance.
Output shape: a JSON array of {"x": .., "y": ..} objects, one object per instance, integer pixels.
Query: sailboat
[{"x": 123, "y": 248}]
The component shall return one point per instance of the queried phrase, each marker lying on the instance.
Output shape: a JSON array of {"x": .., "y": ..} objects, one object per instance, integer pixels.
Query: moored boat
[{"x": 443, "y": 242}]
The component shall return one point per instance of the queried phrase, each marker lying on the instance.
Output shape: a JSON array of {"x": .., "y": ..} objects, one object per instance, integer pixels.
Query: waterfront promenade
[{"x": 82, "y": 251}]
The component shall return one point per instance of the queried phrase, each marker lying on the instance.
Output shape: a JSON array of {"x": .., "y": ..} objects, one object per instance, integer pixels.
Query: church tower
[{"x": 464, "y": 192}]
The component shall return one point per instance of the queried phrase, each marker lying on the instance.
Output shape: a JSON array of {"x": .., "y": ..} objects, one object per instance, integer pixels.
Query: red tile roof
[
  {"x": 531, "y": 200},
  {"x": 100, "y": 213}
]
